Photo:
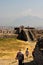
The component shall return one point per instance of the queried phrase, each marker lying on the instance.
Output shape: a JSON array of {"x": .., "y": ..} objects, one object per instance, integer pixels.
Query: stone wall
[{"x": 38, "y": 53}]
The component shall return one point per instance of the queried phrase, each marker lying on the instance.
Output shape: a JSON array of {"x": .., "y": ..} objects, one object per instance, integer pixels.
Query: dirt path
[{"x": 12, "y": 61}]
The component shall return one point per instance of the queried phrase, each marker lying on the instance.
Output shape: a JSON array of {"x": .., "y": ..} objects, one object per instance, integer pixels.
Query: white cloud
[
  {"x": 29, "y": 12},
  {"x": 26, "y": 12},
  {"x": 23, "y": 13}
]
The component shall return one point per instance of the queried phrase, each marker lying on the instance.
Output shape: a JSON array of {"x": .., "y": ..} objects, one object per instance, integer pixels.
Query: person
[
  {"x": 27, "y": 52},
  {"x": 20, "y": 57}
]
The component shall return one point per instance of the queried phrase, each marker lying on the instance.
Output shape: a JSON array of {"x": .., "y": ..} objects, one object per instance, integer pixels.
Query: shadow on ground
[{"x": 30, "y": 63}]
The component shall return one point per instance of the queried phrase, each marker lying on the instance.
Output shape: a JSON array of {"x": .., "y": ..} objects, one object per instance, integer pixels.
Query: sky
[{"x": 21, "y": 12}]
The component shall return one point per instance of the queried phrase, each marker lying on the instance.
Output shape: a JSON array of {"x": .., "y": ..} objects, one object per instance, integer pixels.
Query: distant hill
[{"x": 29, "y": 21}]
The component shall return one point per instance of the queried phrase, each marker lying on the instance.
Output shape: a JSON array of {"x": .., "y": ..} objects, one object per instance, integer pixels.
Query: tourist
[
  {"x": 27, "y": 52},
  {"x": 20, "y": 57}
]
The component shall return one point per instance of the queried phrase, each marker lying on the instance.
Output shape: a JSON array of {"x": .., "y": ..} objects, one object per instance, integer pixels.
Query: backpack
[{"x": 20, "y": 56}]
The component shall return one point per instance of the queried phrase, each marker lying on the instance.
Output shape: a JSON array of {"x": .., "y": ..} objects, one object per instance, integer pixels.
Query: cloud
[
  {"x": 23, "y": 13},
  {"x": 28, "y": 12},
  {"x": 19, "y": 14}
]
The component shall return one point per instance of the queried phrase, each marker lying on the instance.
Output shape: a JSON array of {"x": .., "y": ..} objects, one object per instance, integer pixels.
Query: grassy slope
[{"x": 10, "y": 46}]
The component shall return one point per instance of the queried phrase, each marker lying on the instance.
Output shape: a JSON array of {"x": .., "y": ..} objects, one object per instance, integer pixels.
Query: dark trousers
[{"x": 20, "y": 62}]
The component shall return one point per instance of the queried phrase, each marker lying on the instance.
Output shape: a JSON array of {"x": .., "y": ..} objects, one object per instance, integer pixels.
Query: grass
[
  {"x": 10, "y": 46},
  {"x": 7, "y": 43},
  {"x": 3, "y": 54}
]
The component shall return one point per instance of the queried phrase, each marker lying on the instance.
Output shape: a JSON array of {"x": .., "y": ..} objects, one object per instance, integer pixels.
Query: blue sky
[{"x": 21, "y": 12}]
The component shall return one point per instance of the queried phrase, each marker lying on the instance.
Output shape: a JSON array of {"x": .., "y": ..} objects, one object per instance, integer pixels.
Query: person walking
[
  {"x": 27, "y": 52},
  {"x": 20, "y": 57}
]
